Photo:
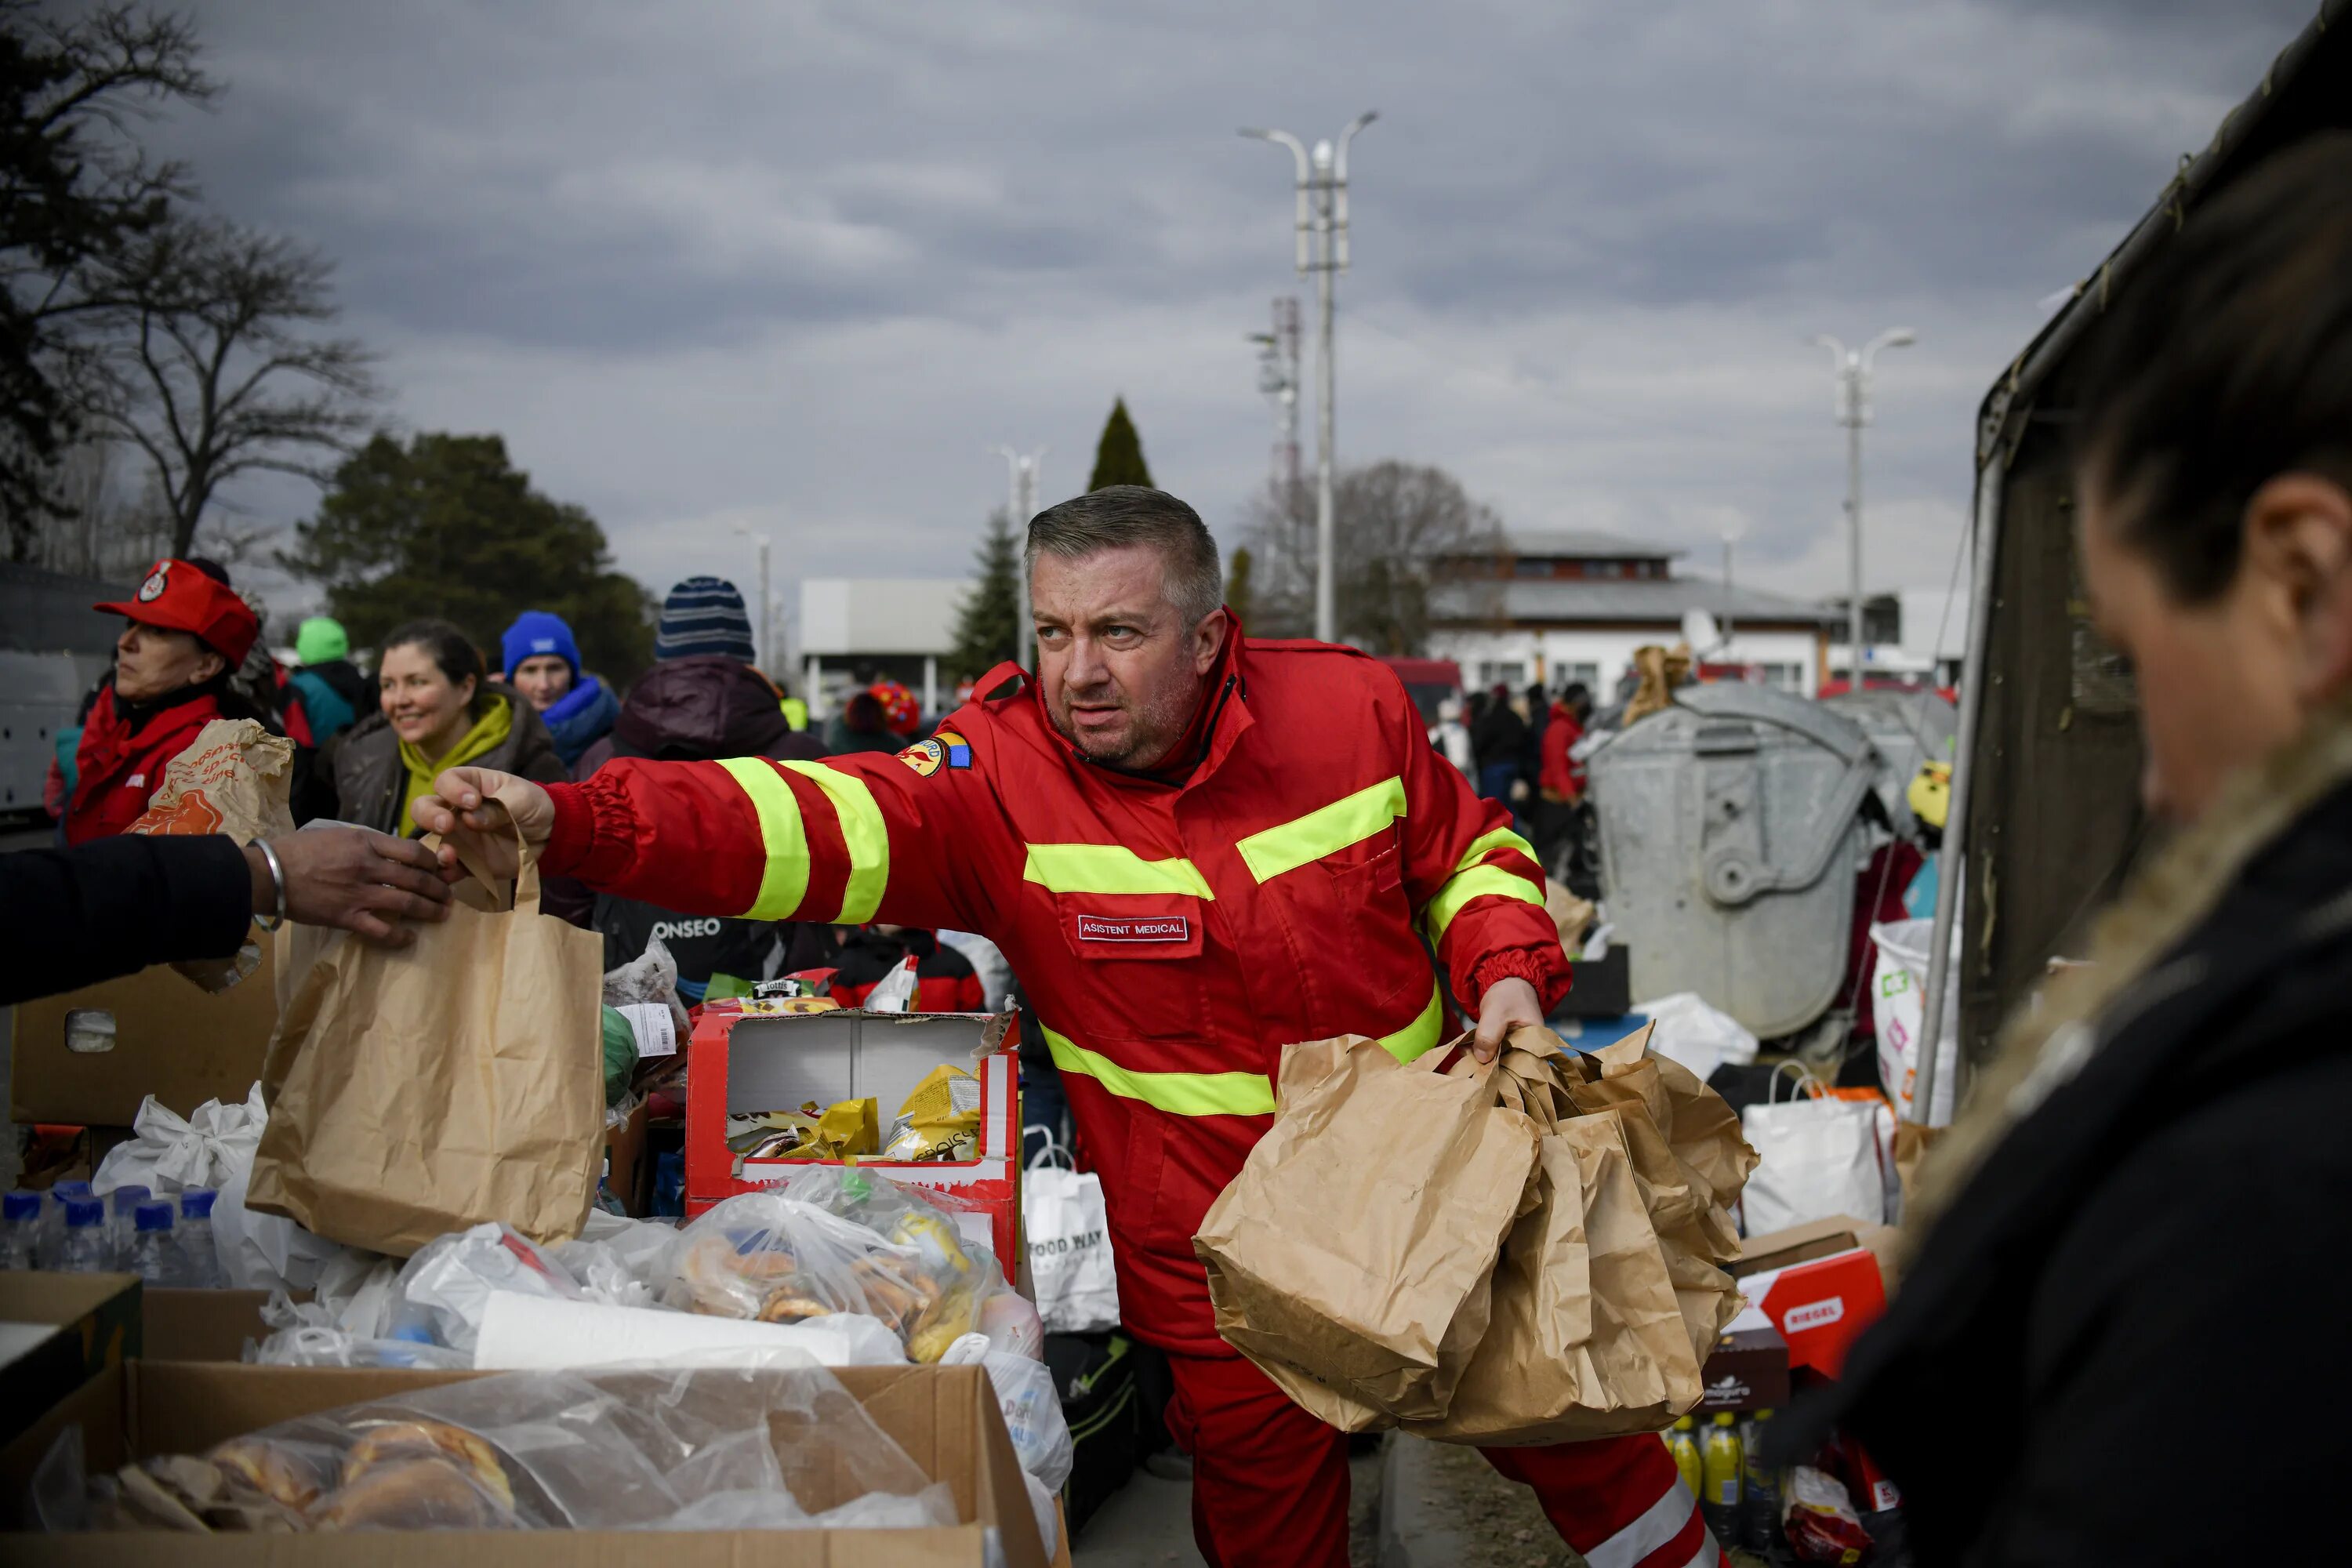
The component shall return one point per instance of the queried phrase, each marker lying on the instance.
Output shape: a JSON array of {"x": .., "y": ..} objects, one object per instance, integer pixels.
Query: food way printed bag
[
  {"x": 1602, "y": 1292},
  {"x": 424, "y": 1090},
  {"x": 1351, "y": 1257}
]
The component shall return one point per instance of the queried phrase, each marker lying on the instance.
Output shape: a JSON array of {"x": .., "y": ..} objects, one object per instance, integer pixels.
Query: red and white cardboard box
[
  {"x": 749, "y": 1056},
  {"x": 1819, "y": 1306}
]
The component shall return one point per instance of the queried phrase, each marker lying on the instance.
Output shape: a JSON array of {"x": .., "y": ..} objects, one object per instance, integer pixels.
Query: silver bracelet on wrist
[{"x": 278, "y": 880}]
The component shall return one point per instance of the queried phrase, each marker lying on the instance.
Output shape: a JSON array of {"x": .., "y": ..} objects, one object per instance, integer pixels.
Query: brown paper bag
[
  {"x": 419, "y": 1091},
  {"x": 1606, "y": 1300},
  {"x": 1350, "y": 1258},
  {"x": 232, "y": 779}
]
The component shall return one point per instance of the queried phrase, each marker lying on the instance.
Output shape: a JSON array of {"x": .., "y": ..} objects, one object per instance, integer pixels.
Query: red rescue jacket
[
  {"x": 1172, "y": 936},
  {"x": 120, "y": 762},
  {"x": 1562, "y": 774}
]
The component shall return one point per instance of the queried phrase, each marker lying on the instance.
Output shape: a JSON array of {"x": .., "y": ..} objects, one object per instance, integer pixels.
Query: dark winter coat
[
  {"x": 1499, "y": 736},
  {"x": 700, "y": 709},
  {"x": 70, "y": 918},
  {"x": 372, "y": 783},
  {"x": 2145, "y": 1269}
]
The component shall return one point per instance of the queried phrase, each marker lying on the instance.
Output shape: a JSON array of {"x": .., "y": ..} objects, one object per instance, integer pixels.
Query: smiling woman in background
[{"x": 435, "y": 710}]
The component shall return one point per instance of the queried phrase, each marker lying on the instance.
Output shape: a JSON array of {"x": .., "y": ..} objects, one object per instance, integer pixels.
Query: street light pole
[
  {"x": 767, "y": 615},
  {"x": 1322, "y": 249},
  {"x": 1021, "y": 505},
  {"x": 1852, "y": 368}
]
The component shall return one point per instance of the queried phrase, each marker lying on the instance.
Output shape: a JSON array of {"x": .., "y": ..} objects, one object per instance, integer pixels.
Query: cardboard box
[
  {"x": 57, "y": 1332},
  {"x": 946, "y": 1418},
  {"x": 201, "y": 1325},
  {"x": 745, "y": 1061},
  {"x": 1748, "y": 1369},
  {"x": 1816, "y": 1285},
  {"x": 155, "y": 1032}
]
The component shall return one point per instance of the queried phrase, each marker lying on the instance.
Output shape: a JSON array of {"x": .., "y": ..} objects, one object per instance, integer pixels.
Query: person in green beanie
[{"x": 327, "y": 692}]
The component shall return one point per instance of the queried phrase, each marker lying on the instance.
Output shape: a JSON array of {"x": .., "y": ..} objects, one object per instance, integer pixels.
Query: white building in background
[
  {"x": 1571, "y": 606},
  {"x": 901, "y": 626}
]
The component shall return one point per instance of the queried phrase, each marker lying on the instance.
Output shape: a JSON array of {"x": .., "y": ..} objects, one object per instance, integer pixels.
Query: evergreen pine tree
[
  {"x": 1119, "y": 457},
  {"x": 988, "y": 626},
  {"x": 1240, "y": 591}
]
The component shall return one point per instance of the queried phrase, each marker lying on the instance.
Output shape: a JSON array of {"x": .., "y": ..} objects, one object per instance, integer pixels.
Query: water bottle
[
  {"x": 20, "y": 1230},
  {"x": 197, "y": 1249},
  {"x": 122, "y": 1210},
  {"x": 154, "y": 1254},
  {"x": 53, "y": 1221},
  {"x": 81, "y": 1249}
]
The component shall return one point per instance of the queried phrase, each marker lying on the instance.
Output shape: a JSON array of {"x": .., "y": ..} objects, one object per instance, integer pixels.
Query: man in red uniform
[{"x": 1192, "y": 848}]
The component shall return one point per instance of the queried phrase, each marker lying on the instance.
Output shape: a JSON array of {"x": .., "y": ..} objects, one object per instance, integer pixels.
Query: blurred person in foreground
[
  {"x": 1192, "y": 848},
  {"x": 701, "y": 701},
  {"x": 184, "y": 635},
  {"x": 2136, "y": 1239},
  {"x": 541, "y": 661},
  {"x": 70, "y": 918},
  {"x": 435, "y": 708}
]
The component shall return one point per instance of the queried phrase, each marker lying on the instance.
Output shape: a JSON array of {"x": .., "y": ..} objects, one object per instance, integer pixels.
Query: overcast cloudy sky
[{"x": 800, "y": 267}]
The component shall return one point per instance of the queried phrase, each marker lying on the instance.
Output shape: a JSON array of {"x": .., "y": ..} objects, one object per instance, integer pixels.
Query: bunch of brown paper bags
[{"x": 1521, "y": 1253}]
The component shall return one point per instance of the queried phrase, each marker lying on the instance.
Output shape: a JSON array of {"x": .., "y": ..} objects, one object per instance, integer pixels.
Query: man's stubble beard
[{"x": 1154, "y": 731}]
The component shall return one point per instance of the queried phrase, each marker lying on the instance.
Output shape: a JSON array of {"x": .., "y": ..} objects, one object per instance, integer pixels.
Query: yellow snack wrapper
[
  {"x": 945, "y": 1094},
  {"x": 848, "y": 1128}
]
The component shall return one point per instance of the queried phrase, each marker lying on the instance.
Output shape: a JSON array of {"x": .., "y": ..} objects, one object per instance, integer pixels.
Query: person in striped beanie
[{"x": 704, "y": 615}]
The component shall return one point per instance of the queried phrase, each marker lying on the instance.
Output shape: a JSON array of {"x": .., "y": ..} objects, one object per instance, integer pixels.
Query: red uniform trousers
[{"x": 1270, "y": 1482}]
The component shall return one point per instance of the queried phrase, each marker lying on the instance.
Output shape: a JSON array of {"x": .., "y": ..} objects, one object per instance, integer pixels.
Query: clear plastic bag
[
  {"x": 710, "y": 1449},
  {"x": 442, "y": 1293},
  {"x": 837, "y": 1239}
]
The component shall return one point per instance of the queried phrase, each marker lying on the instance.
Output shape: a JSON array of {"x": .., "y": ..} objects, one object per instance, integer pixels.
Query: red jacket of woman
[
  {"x": 1562, "y": 777},
  {"x": 123, "y": 753}
]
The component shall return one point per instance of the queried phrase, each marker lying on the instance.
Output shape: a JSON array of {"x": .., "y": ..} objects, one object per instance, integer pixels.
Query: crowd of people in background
[
  {"x": 368, "y": 743},
  {"x": 1522, "y": 750}
]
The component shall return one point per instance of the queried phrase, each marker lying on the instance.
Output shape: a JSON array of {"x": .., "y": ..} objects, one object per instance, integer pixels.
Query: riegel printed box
[
  {"x": 748, "y": 1058},
  {"x": 1818, "y": 1285}
]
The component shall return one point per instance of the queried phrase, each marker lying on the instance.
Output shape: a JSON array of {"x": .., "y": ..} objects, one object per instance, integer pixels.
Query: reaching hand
[
  {"x": 370, "y": 884},
  {"x": 478, "y": 811},
  {"x": 1510, "y": 1004}
]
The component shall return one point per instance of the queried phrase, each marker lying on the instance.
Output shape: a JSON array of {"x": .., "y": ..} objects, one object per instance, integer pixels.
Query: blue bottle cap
[
  {"x": 154, "y": 1214},
  {"x": 81, "y": 1212},
  {"x": 21, "y": 1205},
  {"x": 196, "y": 1202}
]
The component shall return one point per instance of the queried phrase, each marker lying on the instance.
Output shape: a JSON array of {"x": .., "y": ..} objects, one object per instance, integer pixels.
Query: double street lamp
[{"x": 1322, "y": 250}]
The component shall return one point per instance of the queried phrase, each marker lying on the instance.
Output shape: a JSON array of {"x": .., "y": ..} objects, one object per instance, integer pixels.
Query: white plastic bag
[
  {"x": 896, "y": 993},
  {"x": 446, "y": 1289},
  {"x": 1068, "y": 1231},
  {"x": 1899, "y": 1006},
  {"x": 988, "y": 963},
  {"x": 1821, "y": 1157},
  {"x": 170, "y": 1153},
  {"x": 1700, "y": 1037},
  {"x": 264, "y": 1251}
]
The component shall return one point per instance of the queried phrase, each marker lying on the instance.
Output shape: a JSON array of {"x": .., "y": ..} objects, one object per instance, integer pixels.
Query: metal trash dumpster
[
  {"x": 1908, "y": 728},
  {"x": 1729, "y": 841}
]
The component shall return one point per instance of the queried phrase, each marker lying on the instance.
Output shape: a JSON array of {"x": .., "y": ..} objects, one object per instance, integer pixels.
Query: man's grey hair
[{"x": 1117, "y": 516}]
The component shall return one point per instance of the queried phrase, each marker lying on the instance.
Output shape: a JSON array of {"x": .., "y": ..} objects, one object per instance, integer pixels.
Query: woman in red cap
[{"x": 187, "y": 632}]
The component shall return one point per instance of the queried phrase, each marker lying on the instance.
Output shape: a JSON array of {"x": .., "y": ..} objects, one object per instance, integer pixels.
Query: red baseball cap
[{"x": 179, "y": 597}]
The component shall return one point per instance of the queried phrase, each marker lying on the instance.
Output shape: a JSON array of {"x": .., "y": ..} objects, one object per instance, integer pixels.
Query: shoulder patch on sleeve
[{"x": 947, "y": 749}]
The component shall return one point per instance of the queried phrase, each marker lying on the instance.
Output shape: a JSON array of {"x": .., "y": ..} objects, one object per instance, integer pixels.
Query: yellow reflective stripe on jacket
[
  {"x": 1178, "y": 1093},
  {"x": 1420, "y": 1036},
  {"x": 1326, "y": 830},
  {"x": 1110, "y": 868},
  {"x": 863, "y": 830},
  {"x": 1475, "y": 883},
  {"x": 784, "y": 880},
  {"x": 1486, "y": 844}
]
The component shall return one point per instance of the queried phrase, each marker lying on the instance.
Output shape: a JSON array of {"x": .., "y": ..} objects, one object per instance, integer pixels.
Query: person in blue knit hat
[{"x": 542, "y": 664}]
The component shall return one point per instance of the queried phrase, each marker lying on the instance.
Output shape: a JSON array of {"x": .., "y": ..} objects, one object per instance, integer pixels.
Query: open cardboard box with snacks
[
  {"x": 748, "y": 1058},
  {"x": 946, "y": 1418}
]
